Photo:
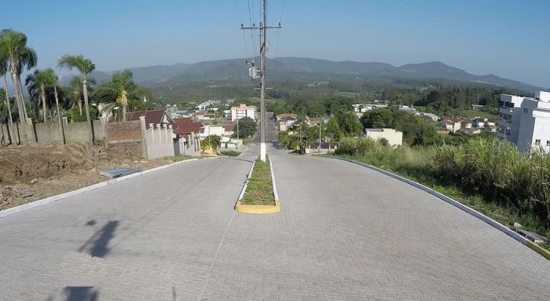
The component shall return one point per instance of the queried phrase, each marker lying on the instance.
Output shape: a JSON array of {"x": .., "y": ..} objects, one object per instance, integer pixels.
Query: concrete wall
[
  {"x": 159, "y": 142},
  {"x": 126, "y": 135},
  {"x": 156, "y": 142},
  {"x": 50, "y": 132},
  {"x": 123, "y": 131},
  {"x": 394, "y": 137}
]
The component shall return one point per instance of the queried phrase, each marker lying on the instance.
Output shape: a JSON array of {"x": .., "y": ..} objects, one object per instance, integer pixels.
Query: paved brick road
[{"x": 344, "y": 233}]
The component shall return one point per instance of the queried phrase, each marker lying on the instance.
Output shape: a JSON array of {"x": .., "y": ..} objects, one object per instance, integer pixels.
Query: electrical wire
[{"x": 245, "y": 41}]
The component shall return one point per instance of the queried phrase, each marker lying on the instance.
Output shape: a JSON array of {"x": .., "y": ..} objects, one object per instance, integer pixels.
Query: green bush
[{"x": 230, "y": 153}]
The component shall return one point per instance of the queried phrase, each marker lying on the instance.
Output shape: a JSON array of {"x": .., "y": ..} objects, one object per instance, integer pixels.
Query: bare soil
[{"x": 33, "y": 172}]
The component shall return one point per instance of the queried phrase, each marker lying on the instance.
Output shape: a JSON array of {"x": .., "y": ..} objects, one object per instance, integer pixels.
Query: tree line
[{"x": 49, "y": 100}]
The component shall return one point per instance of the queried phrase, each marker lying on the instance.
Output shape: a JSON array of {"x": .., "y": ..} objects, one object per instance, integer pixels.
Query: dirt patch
[{"x": 29, "y": 173}]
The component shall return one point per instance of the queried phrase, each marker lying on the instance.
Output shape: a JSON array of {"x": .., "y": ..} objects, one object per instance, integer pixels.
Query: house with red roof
[
  {"x": 153, "y": 116},
  {"x": 186, "y": 126}
]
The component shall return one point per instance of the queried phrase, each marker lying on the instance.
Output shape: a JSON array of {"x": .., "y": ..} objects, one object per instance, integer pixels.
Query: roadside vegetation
[
  {"x": 486, "y": 174},
  {"x": 260, "y": 186},
  {"x": 230, "y": 153}
]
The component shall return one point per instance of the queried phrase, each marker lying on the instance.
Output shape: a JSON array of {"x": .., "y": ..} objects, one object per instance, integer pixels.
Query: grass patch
[
  {"x": 230, "y": 153},
  {"x": 178, "y": 158},
  {"x": 260, "y": 186}
]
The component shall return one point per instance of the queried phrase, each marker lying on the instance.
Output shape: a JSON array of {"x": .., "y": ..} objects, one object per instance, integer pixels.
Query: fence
[
  {"x": 154, "y": 142},
  {"x": 50, "y": 132},
  {"x": 159, "y": 141}
]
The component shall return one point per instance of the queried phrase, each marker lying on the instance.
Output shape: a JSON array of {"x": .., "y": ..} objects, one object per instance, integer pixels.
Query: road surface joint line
[
  {"x": 457, "y": 204},
  {"x": 65, "y": 195},
  {"x": 258, "y": 209},
  {"x": 216, "y": 256}
]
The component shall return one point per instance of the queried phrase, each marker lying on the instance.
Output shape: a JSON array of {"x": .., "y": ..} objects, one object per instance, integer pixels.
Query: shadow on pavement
[
  {"x": 81, "y": 293},
  {"x": 97, "y": 245}
]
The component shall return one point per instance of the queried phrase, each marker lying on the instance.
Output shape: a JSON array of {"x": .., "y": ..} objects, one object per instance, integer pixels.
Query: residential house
[
  {"x": 284, "y": 121},
  {"x": 151, "y": 117},
  {"x": 428, "y": 115},
  {"x": 203, "y": 116},
  {"x": 186, "y": 126},
  {"x": 211, "y": 130},
  {"x": 525, "y": 121},
  {"x": 229, "y": 129},
  {"x": 451, "y": 124},
  {"x": 479, "y": 122},
  {"x": 465, "y": 123},
  {"x": 362, "y": 108}
]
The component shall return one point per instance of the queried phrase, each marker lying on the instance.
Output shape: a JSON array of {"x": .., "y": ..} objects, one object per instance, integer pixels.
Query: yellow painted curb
[
  {"x": 257, "y": 209},
  {"x": 538, "y": 249}
]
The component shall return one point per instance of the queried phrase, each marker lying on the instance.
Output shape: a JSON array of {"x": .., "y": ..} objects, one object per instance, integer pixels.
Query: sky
[{"x": 509, "y": 38}]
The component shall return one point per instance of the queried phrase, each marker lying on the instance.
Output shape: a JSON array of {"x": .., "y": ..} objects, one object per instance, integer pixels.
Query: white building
[
  {"x": 243, "y": 111},
  {"x": 525, "y": 121},
  {"x": 362, "y": 108},
  {"x": 393, "y": 137},
  {"x": 428, "y": 115},
  {"x": 209, "y": 130}
]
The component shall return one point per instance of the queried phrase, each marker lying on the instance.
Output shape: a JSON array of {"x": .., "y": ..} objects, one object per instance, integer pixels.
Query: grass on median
[{"x": 260, "y": 186}]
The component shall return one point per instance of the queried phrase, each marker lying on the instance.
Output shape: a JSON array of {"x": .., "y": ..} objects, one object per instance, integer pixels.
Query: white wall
[
  {"x": 209, "y": 130},
  {"x": 159, "y": 142},
  {"x": 394, "y": 137}
]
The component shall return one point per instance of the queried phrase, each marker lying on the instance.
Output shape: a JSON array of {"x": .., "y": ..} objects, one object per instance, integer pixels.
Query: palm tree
[
  {"x": 84, "y": 66},
  {"x": 47, "y": 78},
  {"x": 121, "y": 89},
  {"x": 13, "y": 44},
  {"x": 3, "y": 72},
  {"x": 75, "y": 92}
]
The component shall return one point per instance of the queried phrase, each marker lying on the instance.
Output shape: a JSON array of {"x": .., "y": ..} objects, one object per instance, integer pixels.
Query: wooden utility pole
[{"x": 262, "y": 73}]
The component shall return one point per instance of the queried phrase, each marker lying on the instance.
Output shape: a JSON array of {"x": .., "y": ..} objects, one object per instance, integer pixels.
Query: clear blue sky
[{"x": 504, "y": 37}]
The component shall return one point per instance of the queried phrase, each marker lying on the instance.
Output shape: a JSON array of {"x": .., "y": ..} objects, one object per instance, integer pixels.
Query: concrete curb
[
  {"x": 275, "y": 194},
  {"x": 258, "y": 209},
  {"x": 58, "y": 197},
  {"x": 457, "y": 204}
]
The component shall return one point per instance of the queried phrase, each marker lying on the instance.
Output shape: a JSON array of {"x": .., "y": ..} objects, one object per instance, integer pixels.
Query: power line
[{"x": 248, "y": 53}]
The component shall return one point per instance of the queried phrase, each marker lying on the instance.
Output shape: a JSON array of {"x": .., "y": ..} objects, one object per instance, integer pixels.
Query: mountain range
[{"x": 234, "y": 71}]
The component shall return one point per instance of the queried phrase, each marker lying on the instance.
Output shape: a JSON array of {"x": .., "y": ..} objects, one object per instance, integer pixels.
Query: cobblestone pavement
[{"x": 344, "y": 233}]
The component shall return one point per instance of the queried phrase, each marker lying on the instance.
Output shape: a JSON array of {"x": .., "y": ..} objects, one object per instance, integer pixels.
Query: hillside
[{"x": 235, "y": 72}]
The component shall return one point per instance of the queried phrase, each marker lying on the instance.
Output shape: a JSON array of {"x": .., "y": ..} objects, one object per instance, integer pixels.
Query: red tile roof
[
  {"x": 186, "y": 126},
  {"x": 229, "y": 127},
  {"x": 155, "y": 116}
]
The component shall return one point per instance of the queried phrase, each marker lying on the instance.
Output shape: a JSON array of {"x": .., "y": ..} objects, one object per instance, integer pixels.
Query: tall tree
[
  {"x": 3, "y": 71},
  {"x": 14, "y": 45},
  {"x": 121, "y": 89},
  {"x": 84, "y": 66},
  {"x": 47, "y": 78},
  {"x": 75, "y": 92}
]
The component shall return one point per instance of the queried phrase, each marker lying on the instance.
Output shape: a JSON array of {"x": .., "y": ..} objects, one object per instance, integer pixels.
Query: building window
[
  {"x": 537, "y": 142},
  {"x": 525, "y": 110}
]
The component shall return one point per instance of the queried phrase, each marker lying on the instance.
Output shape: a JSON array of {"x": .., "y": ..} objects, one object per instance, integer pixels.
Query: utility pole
[{"x": 262, "y": 73}]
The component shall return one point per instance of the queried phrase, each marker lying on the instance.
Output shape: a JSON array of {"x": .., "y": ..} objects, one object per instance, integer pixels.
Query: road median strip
[{"x": 259, "y": 194}]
